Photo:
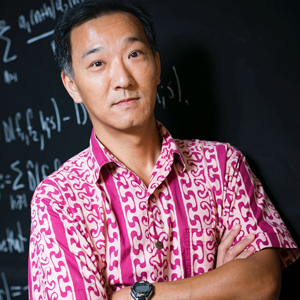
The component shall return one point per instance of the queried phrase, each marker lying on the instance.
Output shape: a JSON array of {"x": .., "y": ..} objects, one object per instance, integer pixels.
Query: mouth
[{"x": 127, "y": 101}]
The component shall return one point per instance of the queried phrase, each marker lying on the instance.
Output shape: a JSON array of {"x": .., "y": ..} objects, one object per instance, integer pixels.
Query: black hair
[{"x": 86, "y": 11}]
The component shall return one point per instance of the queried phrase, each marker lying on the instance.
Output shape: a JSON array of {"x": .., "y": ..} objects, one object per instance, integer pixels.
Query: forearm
[
  {"x": 257, "y": 277},
  {"x": 238, "y": 279}
]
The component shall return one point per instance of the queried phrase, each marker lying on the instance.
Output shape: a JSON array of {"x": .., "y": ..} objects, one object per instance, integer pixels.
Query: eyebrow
[
  {"x": 91, "y": 51},
  {"x": 133, "y": 39},
  {"x": 128, "y": 40}
]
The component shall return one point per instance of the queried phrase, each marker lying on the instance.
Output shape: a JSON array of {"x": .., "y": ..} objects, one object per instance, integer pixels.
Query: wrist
[
  {"x": 122, "y": 294},
  {"x": 141, "y": 290}
]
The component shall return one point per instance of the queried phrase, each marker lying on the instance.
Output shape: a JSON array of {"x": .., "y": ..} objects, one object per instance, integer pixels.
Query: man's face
[{"x": 115, "y": 72}]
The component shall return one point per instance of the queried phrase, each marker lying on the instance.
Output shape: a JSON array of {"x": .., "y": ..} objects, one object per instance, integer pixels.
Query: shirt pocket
[{"x": 201, "y": 248}]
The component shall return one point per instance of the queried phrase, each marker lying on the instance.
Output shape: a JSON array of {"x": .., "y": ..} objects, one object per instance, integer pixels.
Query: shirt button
[{"x": 159, "y": 245}]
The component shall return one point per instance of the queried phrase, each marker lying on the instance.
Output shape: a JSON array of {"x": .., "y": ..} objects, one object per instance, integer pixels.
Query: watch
[{"x": 142, "y": 290}]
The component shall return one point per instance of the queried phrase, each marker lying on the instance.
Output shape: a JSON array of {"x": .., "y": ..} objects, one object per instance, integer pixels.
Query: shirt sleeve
[
  {"x": 245, "y": 202},
  {"x": 62, "y": 263}
]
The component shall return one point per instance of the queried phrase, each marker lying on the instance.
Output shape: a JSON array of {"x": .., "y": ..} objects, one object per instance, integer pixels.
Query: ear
[
  {"x": 157, "y": 60},
  {"x": 70, "y": 86}
]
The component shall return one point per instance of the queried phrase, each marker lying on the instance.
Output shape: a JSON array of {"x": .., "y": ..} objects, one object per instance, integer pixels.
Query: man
[{"x": 174, "y": 219}]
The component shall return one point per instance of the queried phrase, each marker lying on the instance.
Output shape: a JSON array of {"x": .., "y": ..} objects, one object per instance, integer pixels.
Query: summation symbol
[{"x": 3, "y": 29}]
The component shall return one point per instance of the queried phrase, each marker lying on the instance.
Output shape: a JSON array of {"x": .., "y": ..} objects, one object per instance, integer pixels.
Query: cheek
[
  {"x": 149, "y": 79},
  {"x": 92, "y": 88}
]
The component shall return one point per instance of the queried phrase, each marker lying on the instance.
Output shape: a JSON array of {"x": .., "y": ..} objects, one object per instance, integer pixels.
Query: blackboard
[{"x": 230, "y": 72}]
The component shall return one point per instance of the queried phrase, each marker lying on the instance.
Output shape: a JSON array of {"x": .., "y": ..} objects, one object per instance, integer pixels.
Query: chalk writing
[
  {"x": 16, "y": 185},
  {"x": 9, "y": 292},
  {"x": 18, "y": 202},
  {"x": 3, "y": 29},
  {"x": 13, "y": 242},
  {"x": 5, "y": 180},
  {"x": 10, "y": 77},
  {"x": 13, "y": 126},
  {"x": 46, "y": 11},
  {"x": 82, "y": 117},
  {"x": 161, "y": 97},
  {"x": 52, "y": 122},
  {"x": 27, "y": 174},
  {"x": 37, "y": 16},
  {"x": 39, "y": 37},
  {"x": 52, "y": 43}
]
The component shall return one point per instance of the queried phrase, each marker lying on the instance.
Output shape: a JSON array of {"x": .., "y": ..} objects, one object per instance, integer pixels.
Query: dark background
[{"x": 230, "y": 72}]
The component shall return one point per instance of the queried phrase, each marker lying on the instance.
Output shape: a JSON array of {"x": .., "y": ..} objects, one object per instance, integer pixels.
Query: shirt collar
[
  {"x": 102, "y": 155},
  {"x": 169, "y": 150}
]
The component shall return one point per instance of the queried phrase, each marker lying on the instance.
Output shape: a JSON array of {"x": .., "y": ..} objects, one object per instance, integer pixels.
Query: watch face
[{"x": 142, "y": 288}]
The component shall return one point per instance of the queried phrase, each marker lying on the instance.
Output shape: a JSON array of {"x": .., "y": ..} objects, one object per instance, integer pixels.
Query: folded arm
[
  {"x": 257, "y": 277},
  {"x": 239, "y": 274}
]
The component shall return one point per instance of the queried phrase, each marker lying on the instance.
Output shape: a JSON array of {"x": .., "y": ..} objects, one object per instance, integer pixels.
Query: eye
[
  {"x": 97, "y": 64},
  {"x": 135, "y": 53}
]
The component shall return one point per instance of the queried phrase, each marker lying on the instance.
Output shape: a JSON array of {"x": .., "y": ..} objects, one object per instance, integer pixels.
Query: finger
[
  {"x": 239, "y": 248},
  {"x": 228, "y": 238},
  {"x": 236, "y": 227},
  {"x": 248, "y": 252},
  {"x": 226, "y": 243}
]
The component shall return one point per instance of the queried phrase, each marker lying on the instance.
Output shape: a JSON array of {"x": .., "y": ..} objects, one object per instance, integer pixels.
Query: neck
[{"x": 138, "y": 149}]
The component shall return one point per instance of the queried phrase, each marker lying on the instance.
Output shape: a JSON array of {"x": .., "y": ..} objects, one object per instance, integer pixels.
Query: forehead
[{"x": 112, "y": 28}]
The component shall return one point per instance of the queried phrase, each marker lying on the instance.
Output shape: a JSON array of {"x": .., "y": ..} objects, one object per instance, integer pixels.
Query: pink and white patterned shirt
[{"x": 96, "y": 226}]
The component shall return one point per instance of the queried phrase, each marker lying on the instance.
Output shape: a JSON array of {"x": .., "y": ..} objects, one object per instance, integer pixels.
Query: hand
[{"x": 227, "y": 252}]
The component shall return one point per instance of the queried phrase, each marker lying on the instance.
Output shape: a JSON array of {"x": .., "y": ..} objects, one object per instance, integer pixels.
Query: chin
[{"x": 133, "y": 124}]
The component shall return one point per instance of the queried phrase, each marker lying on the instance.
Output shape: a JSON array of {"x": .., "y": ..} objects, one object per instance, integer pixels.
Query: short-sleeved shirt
[{"x": 96, "y": 226}]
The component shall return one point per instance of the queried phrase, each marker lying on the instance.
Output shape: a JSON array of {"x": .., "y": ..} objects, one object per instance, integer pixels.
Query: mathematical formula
[
  {"x": 20, "y": 126},
  {"x": 13, "y": 242},
  {"x": 8, "y": 292},
  {"x": 24, "y": 177},
  {"x": 10, "y": 77},
  {"x": 35, "y": 17},
  {"x": 7, "y": 57},
  {"x": 171, "y": 95},
  {"x": 46, "y": 11}
]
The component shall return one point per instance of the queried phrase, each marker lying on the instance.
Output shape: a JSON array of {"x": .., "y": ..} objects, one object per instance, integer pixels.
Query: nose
[{"x": 121, "y": 75}]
